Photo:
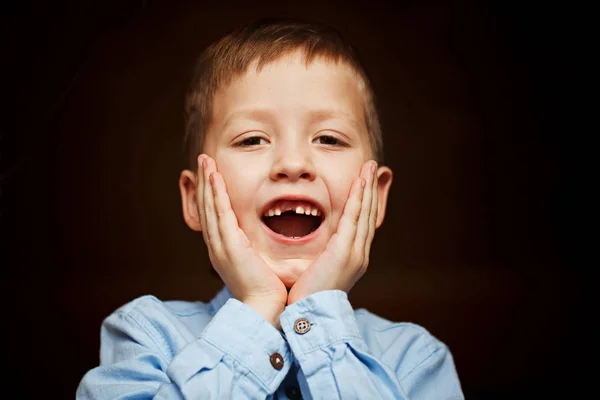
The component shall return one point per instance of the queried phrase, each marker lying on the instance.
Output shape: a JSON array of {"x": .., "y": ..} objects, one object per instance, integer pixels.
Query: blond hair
[{"x": 263, "y": 42}]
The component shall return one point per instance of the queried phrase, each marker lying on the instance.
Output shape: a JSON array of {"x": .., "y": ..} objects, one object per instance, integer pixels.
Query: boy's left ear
[{"x": 384, "y": 181}]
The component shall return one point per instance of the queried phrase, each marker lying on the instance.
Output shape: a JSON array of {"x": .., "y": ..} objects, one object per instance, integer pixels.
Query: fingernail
[
  {"x": 363, "y": 182},
  {"x": 374, "y": 167},
  {"x": 204, "y": 163},
  {"x": 200, "y": 158}
]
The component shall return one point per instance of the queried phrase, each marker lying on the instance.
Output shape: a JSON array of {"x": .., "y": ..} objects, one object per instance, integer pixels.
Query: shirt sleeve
[
  {"x": 231, "y": 358},
  {"x": 336, "y": 363}
]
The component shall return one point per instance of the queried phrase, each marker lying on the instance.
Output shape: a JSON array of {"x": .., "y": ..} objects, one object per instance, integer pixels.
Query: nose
[{"x": 293, "y": 163}]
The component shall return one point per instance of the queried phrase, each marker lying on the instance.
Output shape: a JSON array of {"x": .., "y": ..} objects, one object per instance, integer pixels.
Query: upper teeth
[{"x": 284, "y": 206}]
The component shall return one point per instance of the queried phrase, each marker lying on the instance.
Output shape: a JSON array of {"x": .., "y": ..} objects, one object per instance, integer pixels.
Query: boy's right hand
[{"x": 243, "y": 270}]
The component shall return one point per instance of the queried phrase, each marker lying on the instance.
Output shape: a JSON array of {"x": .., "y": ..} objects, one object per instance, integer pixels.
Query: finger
[
  {"x": 212, "y": 226},
  {"x": 349, "y": 221},
  {"x": 373, "y": 213},
  {"x": 362, "y": 232},
  {"x": 200, "y": 194},
  {"x": 201, "y": 188},
  {"x": 226, "y": 219}
]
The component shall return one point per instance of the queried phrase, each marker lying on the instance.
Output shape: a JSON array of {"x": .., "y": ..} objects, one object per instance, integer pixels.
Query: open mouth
[{"x": 293, "y": 218}]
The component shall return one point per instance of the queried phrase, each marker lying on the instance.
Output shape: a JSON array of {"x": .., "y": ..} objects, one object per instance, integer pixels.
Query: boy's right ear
[{"x": 189, "y": 200}]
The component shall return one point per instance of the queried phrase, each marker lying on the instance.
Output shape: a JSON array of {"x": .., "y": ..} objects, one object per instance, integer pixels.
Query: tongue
[{"x": 291, "y": 225}]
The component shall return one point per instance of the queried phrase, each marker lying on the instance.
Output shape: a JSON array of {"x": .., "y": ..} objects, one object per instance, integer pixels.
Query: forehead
[{"x": 290, "y": 87}]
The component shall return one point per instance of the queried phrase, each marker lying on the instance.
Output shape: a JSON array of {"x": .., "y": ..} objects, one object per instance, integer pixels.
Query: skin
[{"x": 289, "y": 129}]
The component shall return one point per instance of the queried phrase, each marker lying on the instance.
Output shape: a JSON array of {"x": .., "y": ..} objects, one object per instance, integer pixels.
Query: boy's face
[{"x": 296, "y": 133}]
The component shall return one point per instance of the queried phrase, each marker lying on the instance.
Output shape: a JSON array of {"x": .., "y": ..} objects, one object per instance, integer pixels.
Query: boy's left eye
[
  {"x": 251, "y": 141},
  {"x": 330, "y": 141}
]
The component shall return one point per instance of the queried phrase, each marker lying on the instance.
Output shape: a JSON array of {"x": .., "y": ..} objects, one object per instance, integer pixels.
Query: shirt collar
[{"x": 220, "y": 299}]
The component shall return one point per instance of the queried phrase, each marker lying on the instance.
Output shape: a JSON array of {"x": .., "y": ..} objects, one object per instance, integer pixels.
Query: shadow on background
[{"x": 474, "y": 245}]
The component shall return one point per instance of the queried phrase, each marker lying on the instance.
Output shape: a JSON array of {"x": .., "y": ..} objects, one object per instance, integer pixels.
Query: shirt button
[
  {"x": 293, "y": 393},
  {"x": 277, "y": 361},
  {"x": 301, "y": 326}
]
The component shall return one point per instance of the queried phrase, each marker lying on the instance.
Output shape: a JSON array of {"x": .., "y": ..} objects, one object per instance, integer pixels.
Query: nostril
[
  {"x": 294, "y": 177},
  {"x": 304, "y": 175}
]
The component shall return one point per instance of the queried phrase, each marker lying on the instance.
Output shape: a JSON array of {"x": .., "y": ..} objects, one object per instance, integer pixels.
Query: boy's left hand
[{"x": 346, "y": 257}]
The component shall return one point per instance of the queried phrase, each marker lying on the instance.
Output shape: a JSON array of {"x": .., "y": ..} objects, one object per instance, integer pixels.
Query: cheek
[
  {"x": 239, "y": 183},
  {"x": 338, "y": 178},
  {"x": 338, "y": 191}
]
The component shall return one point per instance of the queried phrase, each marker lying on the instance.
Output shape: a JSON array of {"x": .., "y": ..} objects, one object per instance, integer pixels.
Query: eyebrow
[
  {"x": 314, "y": 115},
  {"x": 257, "y": 114},
  {"x": 320, "y": 115}
]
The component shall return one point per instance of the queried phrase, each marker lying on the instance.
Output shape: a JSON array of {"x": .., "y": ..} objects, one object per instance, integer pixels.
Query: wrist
[{"x": 270, "y": 310}]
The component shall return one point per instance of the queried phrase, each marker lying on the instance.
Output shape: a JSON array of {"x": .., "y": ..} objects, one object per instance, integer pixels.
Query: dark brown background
[{"x": 475, "y": 246}]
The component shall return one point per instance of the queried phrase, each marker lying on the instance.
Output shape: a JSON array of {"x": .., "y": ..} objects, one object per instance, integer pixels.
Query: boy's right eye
[{"x": 251, "y": 141}]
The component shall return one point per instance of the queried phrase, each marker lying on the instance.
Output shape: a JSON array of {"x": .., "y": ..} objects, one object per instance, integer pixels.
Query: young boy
[{"x": 283, "y": 141}]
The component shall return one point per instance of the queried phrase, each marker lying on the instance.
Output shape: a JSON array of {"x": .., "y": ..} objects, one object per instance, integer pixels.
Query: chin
[
  {"x": 290, "y": 270},
  {"x": 288, "y": 282}
]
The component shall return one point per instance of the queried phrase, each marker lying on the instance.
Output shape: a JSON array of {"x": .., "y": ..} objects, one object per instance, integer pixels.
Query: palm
[
  {"x": 321, "y": 275},
  {"x": 259, "y": 281}
]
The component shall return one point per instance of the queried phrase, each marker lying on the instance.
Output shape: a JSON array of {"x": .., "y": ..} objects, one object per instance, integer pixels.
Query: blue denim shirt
[{"x": 152, "y": 349}]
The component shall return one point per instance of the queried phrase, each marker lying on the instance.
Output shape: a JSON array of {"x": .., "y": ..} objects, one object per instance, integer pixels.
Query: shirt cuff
[
  {"x": 330, "y": 317},
  {"x": 242, "y": 333}
]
